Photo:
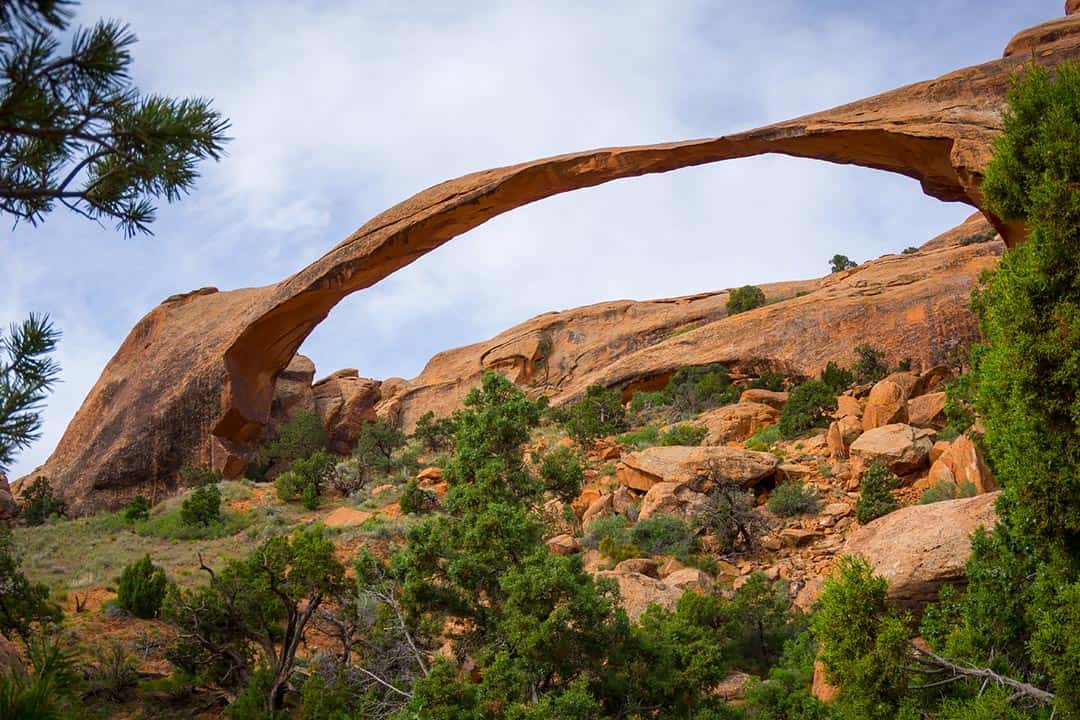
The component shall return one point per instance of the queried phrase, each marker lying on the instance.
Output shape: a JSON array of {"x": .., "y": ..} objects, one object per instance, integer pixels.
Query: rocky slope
[{"x": 194, "y": 381}]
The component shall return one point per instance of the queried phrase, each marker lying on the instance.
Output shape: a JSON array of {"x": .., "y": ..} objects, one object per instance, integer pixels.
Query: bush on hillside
[
  {"x": 40, "y": 503},
  {"x": 764, "y": 439},
  {"x": 768, "y": 380},
  {"x": 415, "y": 500},
  {"x": 839, "y": 263},
  {"x": 684, "y": 434},
  {"x": 664, "y": 535},
  {"x": 870, "y": 364},
  {"x": 562, "y": 473},
  {"x": 599, "y": 414},
  {"x": 698, "y": 388},
  {"x": 202, "y": 507},
  {"x": 793, "y": 498},
  {"x": 946, "y": 490},
  {"x": 745, "y": 298},
  {"x": 876, "y": 498},
  {"x": 808, "y": 407},
  {"x": 837, "y": 378},
  {"x": 435, "y": 434},
  {"x": 194, "y": 476},
  {"x": 296, "y": 438},
  {"x": 138, "y": 508},
  {"x": 377, "y": 445},
  {"x": 142, "y": 588}
]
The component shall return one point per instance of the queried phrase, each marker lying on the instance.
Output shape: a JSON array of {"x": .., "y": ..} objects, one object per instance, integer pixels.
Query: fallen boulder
[
  {"x": 680, "y": 464},
  {"x": 901, "y": 448},
  {"x": 735, "y": 423},
  {"x": 919, "y": 548}
]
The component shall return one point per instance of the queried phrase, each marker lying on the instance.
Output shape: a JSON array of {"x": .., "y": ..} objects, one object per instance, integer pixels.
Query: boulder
[
  {"x": 429, "y": 476},
  {"x": 601, "y": 507},
  {"x": 932, "y": 380},
  {"x": 962, "y": 463},
  {"x": 691, "y": 579},
  {"x": 901, "y": 448},
  {"x": 735, "y": 423},
  {"x": 919, "y": 548},
  {"x": 848, "y": 406},
  {"x": 772, "y": 398},
  {"x": 927, "y": 411},
  {"x": 564, "y": 544},
  {"x": 797, "y": 537},
  {"x": 886, "y": 405},
  {"x": 9, "y": 509},
  {"x": 585, "y": 500},
  {"x": 841, "y": 434},
  {"x": 643, "y": 469},
  {"x": 905, "y": 380},
  {"x": 940, "y": 446},
  {"x": 637, "y": 592},
  {"x": 345, "y": 401},
  {"x": 645, "y": 566},
  {"x": 292, "y": 392},
  {"x": 672, "y": 498}
]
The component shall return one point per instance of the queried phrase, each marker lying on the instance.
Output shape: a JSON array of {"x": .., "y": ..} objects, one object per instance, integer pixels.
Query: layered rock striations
[{"x": 194, "y": 381}]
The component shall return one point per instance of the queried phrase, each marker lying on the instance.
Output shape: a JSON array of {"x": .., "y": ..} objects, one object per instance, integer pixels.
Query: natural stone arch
[{"x": 193, "y": 381}]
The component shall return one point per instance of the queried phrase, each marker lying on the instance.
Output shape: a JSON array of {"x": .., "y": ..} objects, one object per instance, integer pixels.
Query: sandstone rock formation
[
  {"x": 899, "y": 447},
  {"x": 345, "y": 401},
  {"x": 9, "y": 509},
  {"x": 194, "y": 381},
  {"x": 887, "y": 404},
  {"x": 921, "y": 547},
  {"x": 679, "y": 464},
  {"x": 735, "y": 423},
  {"x": 638, "y": 591},
  {"x": 962, "y": 463},
  {"x": 927, "y": 411},
  {"x": 672, "y": 498}
]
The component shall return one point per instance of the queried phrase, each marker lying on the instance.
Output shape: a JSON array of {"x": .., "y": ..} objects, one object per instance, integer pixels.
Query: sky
[{"x": 340, "y": 109}]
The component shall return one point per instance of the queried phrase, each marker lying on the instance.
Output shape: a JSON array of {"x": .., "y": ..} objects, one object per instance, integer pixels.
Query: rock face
[
  {"x": 638, "y": 591},
  {"x": 9, "y": 509},
  {"x": 292, "y": 393},
  {"x": 901, "y": 448},
  {"x": 962, "y": 463},
  {"x": 345, "y": 401},
  {"x": 678, "y": 464},
  {"x": 735, "y": 423},
  {"x": 927, "y": 411},
  {"x": 886, "y": 405},
  {"x": 920, "y": 548},
  {"x": 194, "y": 381},
  {"x": 672, "y": 498}
]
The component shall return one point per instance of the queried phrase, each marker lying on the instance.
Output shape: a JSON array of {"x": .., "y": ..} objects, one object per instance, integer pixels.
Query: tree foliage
[
  {"x": 74, "y": 130},
  {"x": 839, "y": 263},
  {"x": 27, "y": 374},
  {"x": 808, "y": 407},
  {"x": 745, "y": 298},
  {"x": 599, "y": 414},
  {"x": 142, "y": 588},
  {"x": 24, "y": 605}
]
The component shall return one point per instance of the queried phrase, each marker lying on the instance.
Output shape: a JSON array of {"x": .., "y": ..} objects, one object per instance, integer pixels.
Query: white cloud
[{"x": 341, "y": 109}]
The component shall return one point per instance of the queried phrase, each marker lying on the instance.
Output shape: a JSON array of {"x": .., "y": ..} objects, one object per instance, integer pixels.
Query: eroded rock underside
[{"x": 194, "y": 381}]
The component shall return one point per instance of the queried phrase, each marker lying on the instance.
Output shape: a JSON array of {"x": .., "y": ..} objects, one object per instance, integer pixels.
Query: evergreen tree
[
  {"x": 75, "y": 131},
  {"x": 27, "y": 373}
]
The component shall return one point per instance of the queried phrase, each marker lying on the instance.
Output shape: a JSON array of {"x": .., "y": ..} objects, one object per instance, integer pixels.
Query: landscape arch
[{"x": 193, "y": 381}]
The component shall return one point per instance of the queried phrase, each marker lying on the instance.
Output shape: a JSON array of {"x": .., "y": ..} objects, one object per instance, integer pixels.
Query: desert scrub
[
  {"x": 764, "y": 439},
  {"x": 793, "y": 499},
  {"x": 684, "y": 434},
  {"x": 876, "y": 498},
  {"x": 138, "y": 508},
  {"x": 142, "y": 588},
  {"x": 641, "y": 438},
  {"x": 664, "y": 535},
  {"x": 808, "y": 407},
  {"x": 946, "y": 490}
]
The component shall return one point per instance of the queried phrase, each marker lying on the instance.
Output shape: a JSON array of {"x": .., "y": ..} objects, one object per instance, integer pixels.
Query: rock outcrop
[
  {"x": 921, "y": 547},
  {"x": 899, "y": 447},
  {"x": 679, "y": 464},
  {"x": 345, "y": 401},
  {"x": 735, "y": 423},
  {"x": 194, "y": 381}
]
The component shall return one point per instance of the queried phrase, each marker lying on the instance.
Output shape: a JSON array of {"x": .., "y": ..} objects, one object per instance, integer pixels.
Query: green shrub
[
  {"x": 947, "y": 490},
  {"x": 434, "y": 434},
  {"x": 142, "y": 588},
  {"x": 309, "y": 497},
  {"x": 698, "y": 388},
  {"x": 138, "y": 508},
  {"x": 415, "y": 500},
  {"x": 287, "y": 485},
  {"x": 643, "y": 401},
  {"x": 40, "y": 503},
  {"x": 959, "y": 416},
  {"x": 768, "y": 380},
  {"x": 808, "y": 407},
  {"x": 314, "y": 470},
  {"x": 599, "y": 414},
  {"x": 664, "y": 535},
  {"x": 193, "y": 476},
  {"x": 562, "y": 473},
  {"x": 203, "y": 507},
  {"x": 876, "y": 498},
  {"x": 379, "y": 441},
  {"x": 870, "y": 365},
  {"x": 837, "y": 378},
  {"x": 909, "y": 250},
  {"x": 616, "y": 551},
  {"x": 298, "y": 437},
  {"x": 614, "y": 528},
  {"x": 839, "y": 263},
  {"x": 745, "y": 298},
  {"x": 643, "y": 437},
  {"x": 764, "y": 439},
  {"x": 684, "y": 434},
  {"x": 793, "y": 499}
]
